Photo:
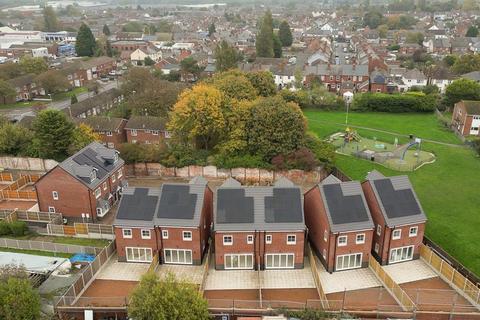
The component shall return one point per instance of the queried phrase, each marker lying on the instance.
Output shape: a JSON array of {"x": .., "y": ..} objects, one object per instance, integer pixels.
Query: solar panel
[
  {"x": 176, "y": 202},
  {"x": 137, "y": 206},
  {"x": 344, "y": 209},
  {"x": 397, "y": 203},
  {"x": 284, "y": 206},
  {"x": 234, "y": 207}
]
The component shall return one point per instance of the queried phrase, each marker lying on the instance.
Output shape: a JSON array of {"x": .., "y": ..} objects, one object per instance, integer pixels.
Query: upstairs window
[
  {"x": 291, "y": 239},
  {"x": 342, "y": 241},
  {"x": 55, "y": 195},
  {"x": 187, "y": 235},
  {"x": 227, "y": 240}
]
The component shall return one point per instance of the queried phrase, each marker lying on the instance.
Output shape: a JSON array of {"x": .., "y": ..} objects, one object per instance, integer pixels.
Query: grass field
[
  {"x": 38, "y": 252},
  {"x": 26, "y": 104},
  {"x": 68, "y": 94},
  {"x": 448, "y": 189}
]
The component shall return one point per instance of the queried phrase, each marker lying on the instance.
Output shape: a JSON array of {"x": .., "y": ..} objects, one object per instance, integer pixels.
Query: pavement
[
  {"x": 347, "y": 280},
  {"x": 19, "y": 113},
  {"x": 410, "y": 271},
  {"x": 189, "y": 273},
  {"x": 126, "y": 271}
]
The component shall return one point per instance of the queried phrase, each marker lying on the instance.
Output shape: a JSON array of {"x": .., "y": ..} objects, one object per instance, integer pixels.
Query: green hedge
[
  {"x": 395, "y": 103},
  {"x": 15, "y": 228}
]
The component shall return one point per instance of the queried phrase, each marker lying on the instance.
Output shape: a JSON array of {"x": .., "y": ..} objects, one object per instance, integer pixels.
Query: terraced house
[
  {"x": 339, "y": 224},
  {"x": 398, "y": 217},
  {"x": 172, "y": 221},
  {"x": 259, "y": 227},
  {"x": 146, "y": 130},
  {"x": 111, "y": 130},
  {"x": 86, "y": 185}
]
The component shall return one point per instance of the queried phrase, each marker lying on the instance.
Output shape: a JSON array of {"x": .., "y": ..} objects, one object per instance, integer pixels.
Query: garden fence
[
  {"x": 47, "y": 246},
  {"x": 87, "y": 230},
  {"x": 316, "y": 278}
]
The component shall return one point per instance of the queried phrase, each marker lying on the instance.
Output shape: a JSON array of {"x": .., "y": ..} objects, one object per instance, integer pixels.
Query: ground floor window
[
  {"x": 239, "y": 261},
  {"x": 401, "y": 254},
  {"x": 178, "y": 256},
  {"x": 279, "y": 261},
  {"x": 139, "y": 254},
  {"x": 348, "y": 261}
]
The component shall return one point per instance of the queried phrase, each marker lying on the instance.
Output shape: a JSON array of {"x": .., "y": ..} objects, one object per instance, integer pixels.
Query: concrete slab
[
  {"x": 339, "y": 281},
  {"x": 409, "y": 271},
  {"x": 231, "y": 279},
  {"x": 288, "y": 279},
  {"x": 126, "y": 271},
  {"x": 193, "y": 274}
]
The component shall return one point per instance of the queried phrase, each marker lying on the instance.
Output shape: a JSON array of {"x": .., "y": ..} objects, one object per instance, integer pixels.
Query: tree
[
  {"x": 466, "y": 63},
  {"x": 276, "y": 127},
  {"x": 449, "y": 60},
  {"x": 190, "y": 66},
  {"x": 373, "y": 19},
  {"x": 14, "y": 139},
  {"x": 73, "y": 99},
  {"x": 277, "y": 46},
  {"x": 7, "y": 91},
  {"x": 166, "y": 298},
  {"x": 382, "y": 31},
  {"x": 29, "y": 64},
  {"x": 472, "y": 31},
  {"x": 462, "y": 89},
  {"x": 52, "y": 134},
  {"x": 211, "y": 29},
  {"x": 106, "y": 30},
  {"x": 86, "y": 44},
  {"x": 9, "y": 71},
  {"x": 18, "y": 299},
  {"x": 50, "y": 20},
  {"x": 234, "y": 84},
  {"x": 264, "y": 39},
  {"x": 136, "y": 80},
  {"x": 226, "y": 57},
  {"x": 415, "y": 37},
  {"x": 197, "y": 117},
  {"x": 82, "y": 136},
  {"x": 263, "y": 82},
  {"x": 285, "y": 34},
  {"x": 149, "y": 61},
  {"x": 53, "y": 81}
]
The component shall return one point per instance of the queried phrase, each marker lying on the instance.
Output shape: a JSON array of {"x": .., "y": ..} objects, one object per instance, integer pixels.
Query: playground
[{"x": 400, "y": 157}]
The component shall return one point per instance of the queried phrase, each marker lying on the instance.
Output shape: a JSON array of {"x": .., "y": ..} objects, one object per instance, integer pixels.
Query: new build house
[
  {"x": 172, "y": 221},
  {"x": 259, "y": 227},
  {"x": 398, "y": 217},
  {"x": 84, "y": 186},
  {"x": 339, "y": 224}
]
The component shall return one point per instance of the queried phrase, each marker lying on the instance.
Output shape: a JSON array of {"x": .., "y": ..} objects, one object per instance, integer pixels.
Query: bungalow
[
  {"x": 339, "y": 223},
  {"x": 259, "y": 227},
  {"x": 172, "y": 221},
  {"x": 398, "y": 217}
]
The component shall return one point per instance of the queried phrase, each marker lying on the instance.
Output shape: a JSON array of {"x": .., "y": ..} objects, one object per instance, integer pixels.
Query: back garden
[{"x": 448, "y": 188}]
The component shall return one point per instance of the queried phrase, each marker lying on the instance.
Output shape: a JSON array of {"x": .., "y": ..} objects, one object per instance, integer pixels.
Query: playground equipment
[
  {"x": 351, "y": 135},
  {"x": 402, "y": 150}
]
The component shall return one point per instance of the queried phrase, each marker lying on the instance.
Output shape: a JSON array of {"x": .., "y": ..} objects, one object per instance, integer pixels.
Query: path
[{"x": 389, "y": 132}]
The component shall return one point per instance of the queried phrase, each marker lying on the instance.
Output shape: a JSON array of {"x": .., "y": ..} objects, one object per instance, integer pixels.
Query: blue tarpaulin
[{"x": 82, "y": 257}]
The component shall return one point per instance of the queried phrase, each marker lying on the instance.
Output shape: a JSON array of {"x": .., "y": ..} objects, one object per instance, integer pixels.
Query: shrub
[
  {"x": 4, "y": 228},
  {"x": 323, "y": 151},
  {"x": 18, "y": 228},
  {"x": 182, "y": 156},
  {"x": 408, "y": 102},
  {"x": 302, "y": 158},
  {"x": 476, "y": 145}
]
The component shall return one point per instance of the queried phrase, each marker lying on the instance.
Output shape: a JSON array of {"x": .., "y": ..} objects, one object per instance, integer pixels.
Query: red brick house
[
  {"x": 333, "y": 76},
  {"x": 173, "y": 221},
  {"x": 111, "y": 130},
  {"x": 339, "y": 224},
  {"x": 79, "y": 72},
  {"x": 25, "y": 87},
  {"x": 87, "y": 183},
  {"x": 466, "y": 118},
  {"x": 146, "y": 130},
  {"x": 398, "y": 217},
  {"x": 259, "y": 227}
]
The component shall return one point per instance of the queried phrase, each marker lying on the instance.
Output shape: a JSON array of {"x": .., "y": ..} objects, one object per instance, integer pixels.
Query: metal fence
[
  {"x": 86, "y": 277},
  {"x": 47, "y": 246}
]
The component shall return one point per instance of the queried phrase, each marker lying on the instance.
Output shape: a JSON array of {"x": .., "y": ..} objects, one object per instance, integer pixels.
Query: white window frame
[
  {"x": 149, "y": 236},
  {"x": 324, "y": 254},
  {"x": 147, "y": 257},
  {"x": 407, "y": 258},
  {"x": 113, "y": 178},
  {"x": 410, "y": 235},
  {"x": 119, "y": 174},
  {"x": 55, "y": 195},
  {"x": 325, "y": 235},
  {"x": 133, "y": 132},
  {"x": 104, "y": 185},
  {"x": 51, "y": 209},
  {"x": 238, "y": 256},
  {"x": 396, "y": 237},
  {"x": 355, "y": 265},
  {"x": 98, "y": 193},
  {"x": 178, "y": 252},
  {"x": 377, "y": 247},
  {"x": 127, "y": 236},
  {"x": 155, "y": 132},
  {"x": 250, "y": 239},
  {"x": 379, "y": 230},
  {"x": 228, "y": 243},
  {"x": 360, "y": 241},
  {"x": 109, "y": 133},
  {"x": 187, "y": 238},
  {"x": 268, "y": 239},
  {"x": 342, "y": 244},
  {"x": 164, "y": 234},
  {"x": 279, "y": 265},
  {"x": 294, "y": 239}
]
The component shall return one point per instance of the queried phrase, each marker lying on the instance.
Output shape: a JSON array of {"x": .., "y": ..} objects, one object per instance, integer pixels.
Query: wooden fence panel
[
  {"x": 81, "y": 228},
  {"x": 6, "y": 176},
  {"x": 69, "y": 230}
]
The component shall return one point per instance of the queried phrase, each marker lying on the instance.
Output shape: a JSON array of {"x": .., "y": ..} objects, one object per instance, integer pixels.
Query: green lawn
[
  {"x": 448, "y": 189},
  {"x": 38, "y": 252},
  {"x": 67, "y": 95},
  {"x": 25, "y": 104},
  {"x": 65, "y": 240}
]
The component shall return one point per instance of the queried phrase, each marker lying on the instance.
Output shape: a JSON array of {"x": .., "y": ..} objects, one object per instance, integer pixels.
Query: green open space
[
  {"x": 18, "y": 105},
  {"x": 68, "y": 94},
  {"x": 88, "y": 242},
  {"x": 448, "y": 188},
  {"x": 38, "y": 252}
]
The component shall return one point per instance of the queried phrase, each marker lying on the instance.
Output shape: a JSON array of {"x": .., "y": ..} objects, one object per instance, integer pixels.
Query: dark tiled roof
[
  {"x": 146, "y": 122},
  {"x": 102, "y": 124}
]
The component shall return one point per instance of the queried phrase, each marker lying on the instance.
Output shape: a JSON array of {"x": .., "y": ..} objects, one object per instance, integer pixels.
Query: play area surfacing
[{"x": 400, "y": 157}]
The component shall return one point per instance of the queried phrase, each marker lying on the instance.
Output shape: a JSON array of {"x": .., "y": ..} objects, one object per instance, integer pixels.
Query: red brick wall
[
  {"x": 375, "y": 86},
  {"x": 135, "y": 241},
  {"x": 351, "y": 247},
  {"x": 406, "y": 240},
  {"x": 175, "y": 241},
  {"x": 142, "y": 136},
  {"x": 73, "y": 196},
  {"x": 378, "y": 219}
]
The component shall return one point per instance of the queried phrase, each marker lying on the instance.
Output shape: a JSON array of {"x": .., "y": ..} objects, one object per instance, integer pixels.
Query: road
[{"x": 19, "y": 113}]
